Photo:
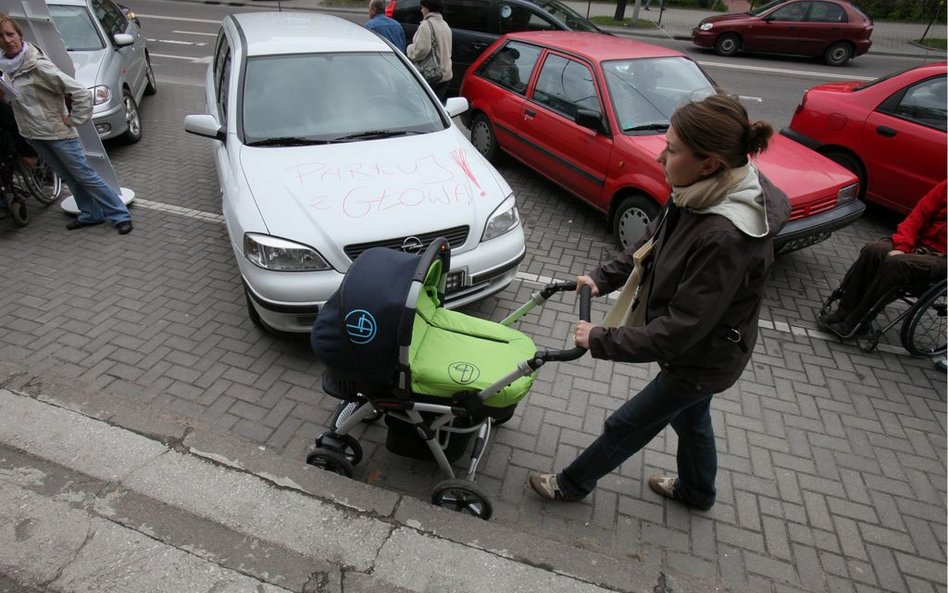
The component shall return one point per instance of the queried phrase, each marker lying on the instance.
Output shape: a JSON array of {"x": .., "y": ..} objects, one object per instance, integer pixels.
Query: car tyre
[
  {"x": 134, "y": 131},
  {"x": 252, "y": 312},
  {"x": 727, "y": 45},
  {"x": 631, "y": 217},
  {"x": 483, "y": 138},
  {"x": 838, "y": 54},
  {"x": 850, "y": 162},
  {"x": 151, "y": 81}
]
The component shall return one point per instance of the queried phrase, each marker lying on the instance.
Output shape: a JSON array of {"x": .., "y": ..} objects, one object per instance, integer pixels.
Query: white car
[
  {"x": 328, "y": 142},
  {"x": 106, "y": 45}
]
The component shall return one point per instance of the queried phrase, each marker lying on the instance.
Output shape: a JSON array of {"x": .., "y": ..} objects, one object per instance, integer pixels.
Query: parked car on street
[
  {"x": 110, "y": 54},
  {"x": 590, "y": 113},
  {"x": 833, "y": 30},
  {"x": 475, "y": 24},
  {"x": 890, "y": 132},
  {"x": 328, "y": 142}
]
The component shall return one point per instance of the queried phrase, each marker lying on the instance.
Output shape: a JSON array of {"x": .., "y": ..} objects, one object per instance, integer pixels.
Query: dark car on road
[
  {"x": 475, "y": 24},
  {"x": 833, "y": 30}
]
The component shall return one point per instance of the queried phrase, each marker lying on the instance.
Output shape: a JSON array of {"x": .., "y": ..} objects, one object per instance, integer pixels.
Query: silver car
[{"x": 108, "y": 49}]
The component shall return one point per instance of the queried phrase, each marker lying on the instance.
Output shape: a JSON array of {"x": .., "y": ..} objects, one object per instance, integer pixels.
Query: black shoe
[
  {"x": 76, "y": 224},
  {"x": 124, "y": 227}
]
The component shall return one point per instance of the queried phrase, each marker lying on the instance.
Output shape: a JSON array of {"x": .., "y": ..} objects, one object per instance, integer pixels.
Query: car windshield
[
  {"x": 573, "y": 19},
  {"x": 76, "y": 27},
  {"x": 645, "y": 92},
  {"x": 762, "y": 9},
  {"x": 325, "y": 98}
]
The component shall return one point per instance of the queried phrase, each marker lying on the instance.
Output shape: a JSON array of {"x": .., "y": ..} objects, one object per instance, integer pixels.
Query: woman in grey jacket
[
  {"x": 712, "y": 251},
  {"x": 433, "y": 25},
  {"x": 48, "y": 108}
]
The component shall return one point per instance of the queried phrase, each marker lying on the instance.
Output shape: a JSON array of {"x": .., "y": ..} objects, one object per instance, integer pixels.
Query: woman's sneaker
[
  {"x": 665, "y": 485},
  {"x": 545, "y": 485}
]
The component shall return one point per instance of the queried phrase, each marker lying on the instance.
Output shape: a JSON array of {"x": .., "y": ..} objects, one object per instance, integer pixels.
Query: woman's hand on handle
[
  {"x": 587, "y": 281},
  {"x": 581, "y": 335}
]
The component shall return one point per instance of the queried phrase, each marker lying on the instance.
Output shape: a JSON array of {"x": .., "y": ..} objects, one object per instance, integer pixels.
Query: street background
[{"x": 833, "y": 462}]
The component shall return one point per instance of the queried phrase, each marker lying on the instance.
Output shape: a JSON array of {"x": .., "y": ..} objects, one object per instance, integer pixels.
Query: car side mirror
[
  {"x": 593, "y": 120},
  {"x": 122, "y": 39},
  {"x": 455, "y": 106},
  {"x": 204, "y": 125}
]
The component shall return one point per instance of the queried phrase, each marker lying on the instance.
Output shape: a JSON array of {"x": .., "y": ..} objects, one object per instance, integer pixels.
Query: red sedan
[
  {"x": 590, "y": 113},
  {"x": 890, "y": 132},
  {"x": 834, "y": 30}
]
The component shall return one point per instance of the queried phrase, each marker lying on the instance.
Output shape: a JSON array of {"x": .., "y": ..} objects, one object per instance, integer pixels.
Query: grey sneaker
[
  {"x": 545, "y": 485},
  {"x": 665, "y": 485}
]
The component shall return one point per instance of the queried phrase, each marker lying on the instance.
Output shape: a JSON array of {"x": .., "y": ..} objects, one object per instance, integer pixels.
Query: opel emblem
[{"x": 412, "y": 245}]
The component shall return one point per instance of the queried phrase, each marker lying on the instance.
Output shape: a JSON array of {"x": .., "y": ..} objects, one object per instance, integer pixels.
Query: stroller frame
[{"x": 337, "y": 451}]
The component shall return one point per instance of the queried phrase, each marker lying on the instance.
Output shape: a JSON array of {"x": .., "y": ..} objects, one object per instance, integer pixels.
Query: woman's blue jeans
[
  {"x": 635, "y": 423},
  {"x": 95, "y": 198}
]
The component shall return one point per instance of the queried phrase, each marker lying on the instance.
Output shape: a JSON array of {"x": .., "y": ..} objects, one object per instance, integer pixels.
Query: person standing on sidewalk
[
  {"x": 433, "y": 26},
  {"x": 711, "y": 251},
  {"x": 48, "y": 108},
  {"x": 384, "y": 26}
]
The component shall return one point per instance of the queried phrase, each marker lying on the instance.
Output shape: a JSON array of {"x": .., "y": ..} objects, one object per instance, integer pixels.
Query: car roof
[
  {"x": 288, "y": 32},
  {"x": 67, "y": 2},
  {"x": 595, "y": 46}
]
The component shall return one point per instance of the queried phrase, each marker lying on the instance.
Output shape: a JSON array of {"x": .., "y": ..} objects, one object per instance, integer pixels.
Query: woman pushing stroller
[{"x": 705, "y": 260}]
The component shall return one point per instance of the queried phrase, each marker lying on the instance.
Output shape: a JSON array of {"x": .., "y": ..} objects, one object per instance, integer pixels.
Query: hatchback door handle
[
  {"x": 886, "y": 131},
  {"x": 529, "y": 113},
  {"x": 479, "y": 46}
]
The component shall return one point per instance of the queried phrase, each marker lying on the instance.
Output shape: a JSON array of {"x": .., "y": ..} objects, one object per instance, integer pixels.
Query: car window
[
  {"x": 222, "y": 61},
  {"x": 924, "y": 103},
  {"x": 764, "y": 7},
  {"x": 316, "y": 98},
  {"x": 825, "y": 12},
  {"x": 795, "y": 12},
  {"x": 75, "y": 26},
  {"x": 567, "y": 15},
  {"x": 521, "y": 18},
  {"x": 645, "y": 92},
  {"x": 110, "y": 15},
  {"x": 466, "y": 14},
  {"x": 511, "y": 66},
  {"x": 566, "y": 86}
]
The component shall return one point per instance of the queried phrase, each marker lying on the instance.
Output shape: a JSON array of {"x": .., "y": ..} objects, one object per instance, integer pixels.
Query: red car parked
[
  {"x": 834, "y": 30},
  {"x": 590, "y": 112},
  {"x": 890, "y": 132}
]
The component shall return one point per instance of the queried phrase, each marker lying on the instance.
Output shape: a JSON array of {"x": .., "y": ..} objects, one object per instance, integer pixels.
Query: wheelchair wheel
[
  {"x": 18, "y": 212},
  {"x": 462, "y": 496},
  {"x": 40, "y": 181},
  {"x": 923, "y": 332}
]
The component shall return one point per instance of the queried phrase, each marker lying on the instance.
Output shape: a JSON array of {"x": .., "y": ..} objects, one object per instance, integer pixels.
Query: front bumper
[
  {"x": 110, "y": 123},
  {"x": 813, "y": 229},
  {"x": 703, "y": 38}
]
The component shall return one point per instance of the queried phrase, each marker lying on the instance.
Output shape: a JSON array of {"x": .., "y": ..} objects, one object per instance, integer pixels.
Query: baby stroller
[{"x": 437, "y": 376}]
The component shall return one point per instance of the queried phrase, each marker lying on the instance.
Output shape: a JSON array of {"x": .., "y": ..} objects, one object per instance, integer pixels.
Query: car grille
[
  {"x": 815, "y": 207},
  {"x": 455, "y": 236}
]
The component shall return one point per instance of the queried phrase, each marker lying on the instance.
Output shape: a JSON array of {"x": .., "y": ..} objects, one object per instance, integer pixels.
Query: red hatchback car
[
  {"x": 834, "y": 30},
  {"x": 590, "y": 112},
  {"x": 890, "y": 132}
]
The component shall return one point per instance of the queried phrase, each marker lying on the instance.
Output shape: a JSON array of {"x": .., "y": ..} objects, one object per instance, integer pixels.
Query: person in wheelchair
[
  {"x": 12, "y": 147},
  {"x": 912, "y": 258}
]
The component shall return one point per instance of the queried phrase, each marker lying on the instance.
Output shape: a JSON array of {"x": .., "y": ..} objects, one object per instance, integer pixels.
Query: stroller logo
[
  {"x": 463, "y": 372},
  {"x": 360, "y": 325}
]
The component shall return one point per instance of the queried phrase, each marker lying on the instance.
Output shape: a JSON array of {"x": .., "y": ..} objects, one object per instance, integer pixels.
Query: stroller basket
[{"x": 439, "y": 377}]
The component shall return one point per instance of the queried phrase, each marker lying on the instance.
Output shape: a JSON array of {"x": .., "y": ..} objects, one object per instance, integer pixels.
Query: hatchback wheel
[
  {"x": 134, "y": 132},
  {"x": 849, "y": 161},
  {"x": 838, "y": 54},
  {"x": 727, "y": 44},
  {"x": 631, "y": 217},
  {"x": 151, "y": 82},
  {"x": 482, "y": 137}
]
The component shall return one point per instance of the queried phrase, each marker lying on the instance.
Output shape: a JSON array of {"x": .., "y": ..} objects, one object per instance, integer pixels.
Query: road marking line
[
  {"x": 176, "y": 42},
  {"x": 178, "y": 18},
  {"x": 785, "y": 71},
  {"x": 188, "y": 212},
  {"x": 196, "y": 33},
  {"x": 200, "y": 60}
]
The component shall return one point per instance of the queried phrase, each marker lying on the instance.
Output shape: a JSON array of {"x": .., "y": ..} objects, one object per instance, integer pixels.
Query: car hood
[
  {"x": 87, "y": 64},
  {"x": 335, "y": 195},
  {"x": 730, "y": 17},
  {"x": 800, "y": 172}
]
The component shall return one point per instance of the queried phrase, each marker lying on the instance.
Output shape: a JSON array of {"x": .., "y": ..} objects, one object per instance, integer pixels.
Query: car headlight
[
  {"x": 101, "y": 94},
  {"x": 281, "y": 255},
  {"x": 847, "y": 194},
  {"x": 505, "y": 218},
  {"x": 705, "y": 26}
]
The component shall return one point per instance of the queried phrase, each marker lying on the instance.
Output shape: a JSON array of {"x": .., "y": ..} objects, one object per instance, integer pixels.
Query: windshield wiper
[
  {"x": 643, "y": 127},
  {"x": 374, "y": 135},
  {"x": 286, "y": 141}
]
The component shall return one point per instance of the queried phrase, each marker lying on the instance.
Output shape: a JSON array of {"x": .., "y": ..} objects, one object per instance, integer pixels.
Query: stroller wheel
[
  {"x": 462, "y": 496},
  {"x": 341, "y": 443},
  {"x": 330, "y": 461},
  {"x": 348, "y": 408},
  {"x": 18, "y": 212}
]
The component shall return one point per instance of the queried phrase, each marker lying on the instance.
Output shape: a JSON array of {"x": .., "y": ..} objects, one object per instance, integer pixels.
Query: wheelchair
[{"x": 922, "y": 313}]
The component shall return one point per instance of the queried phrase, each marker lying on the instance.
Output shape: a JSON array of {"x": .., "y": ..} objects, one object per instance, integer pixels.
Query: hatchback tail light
[{"x": 390, "y": 9}]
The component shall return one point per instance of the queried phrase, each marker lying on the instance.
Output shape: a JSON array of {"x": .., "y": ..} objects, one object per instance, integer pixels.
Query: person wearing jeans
[
  {"x": 710, "y": 250},
  {"x": 48, "y": 107}
]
